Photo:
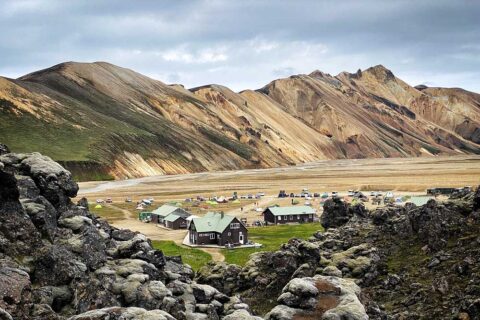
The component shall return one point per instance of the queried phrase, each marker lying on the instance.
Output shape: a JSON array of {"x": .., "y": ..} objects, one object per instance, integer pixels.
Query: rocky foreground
[{"x": 58, "y": 261}]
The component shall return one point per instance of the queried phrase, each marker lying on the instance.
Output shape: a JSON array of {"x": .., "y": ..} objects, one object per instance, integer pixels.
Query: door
[{"x": 240, "y": 238}]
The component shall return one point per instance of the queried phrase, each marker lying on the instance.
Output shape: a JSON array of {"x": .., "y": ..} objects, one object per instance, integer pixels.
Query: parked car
[
  {"x": 100, "y": 201},
  {"x": 128, "y": 199},
  {"x": 109, "y": 200},
  {"x": 147, "y": 202},
  {"x": 316, "y": 195}
]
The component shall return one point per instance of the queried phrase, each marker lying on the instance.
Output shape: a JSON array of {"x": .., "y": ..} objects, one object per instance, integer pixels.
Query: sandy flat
[{"x": 412, "y": 175}]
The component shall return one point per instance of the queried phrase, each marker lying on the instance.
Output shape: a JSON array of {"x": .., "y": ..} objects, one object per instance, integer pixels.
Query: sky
[{"x": 246, "y": 44}]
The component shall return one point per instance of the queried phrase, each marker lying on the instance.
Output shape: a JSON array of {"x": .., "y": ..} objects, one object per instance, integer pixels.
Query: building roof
[
  {"x": 172, "y": 217},
  {"x": 212, "y": 222},
  {"x": 419, "y": 201},
  {"x": 167, "y": 209},
  {"x": 285, "y": 211}
]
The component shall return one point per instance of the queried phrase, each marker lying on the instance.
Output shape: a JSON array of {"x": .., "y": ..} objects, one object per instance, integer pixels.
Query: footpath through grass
[
  {"x": 271, "y": 238},
  {"x": 194, "y": 257}
]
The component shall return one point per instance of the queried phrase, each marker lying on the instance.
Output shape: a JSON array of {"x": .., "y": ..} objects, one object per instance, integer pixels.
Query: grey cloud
[{"x": 243, "y": 44}]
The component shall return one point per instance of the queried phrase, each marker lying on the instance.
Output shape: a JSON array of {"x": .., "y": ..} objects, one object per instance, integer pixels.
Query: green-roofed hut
[
  {"x": 282, "y": 215},
  {"x": 170, "y": 216},
  {"x": 217, "y": 229}
]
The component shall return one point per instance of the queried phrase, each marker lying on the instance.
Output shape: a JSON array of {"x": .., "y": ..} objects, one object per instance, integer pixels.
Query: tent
[
  {"x": 214, "y": 203},
  {"x": 236, "y": 201},
  {"x": 98, "y": 206}
]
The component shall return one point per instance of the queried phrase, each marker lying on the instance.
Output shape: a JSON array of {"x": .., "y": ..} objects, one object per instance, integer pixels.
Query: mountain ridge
[{"x": 125, "y": 124}]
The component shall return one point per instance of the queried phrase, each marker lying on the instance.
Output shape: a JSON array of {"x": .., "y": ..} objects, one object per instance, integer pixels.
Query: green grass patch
[
  {"x": 242, "y": 150},
  {"x": 194, "y": 257},
  {"x": 407, "y": 257},
  {"x": 271, "y": 238},
  {"x": 106, "y": 212}
]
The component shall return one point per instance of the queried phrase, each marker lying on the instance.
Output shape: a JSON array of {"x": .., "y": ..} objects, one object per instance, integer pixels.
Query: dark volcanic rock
[
  {"x": 4, "y": 149},
  {"x": 58, "y": 260},
  {"x": 335, "y": 213},
  {"x": 56, "y": 265},
  {"x": 43, "y": 215},
  {"x": 476, "y": 200},
  {"x": 15, "y": 292},
  {"x": 55, "y": 183}
]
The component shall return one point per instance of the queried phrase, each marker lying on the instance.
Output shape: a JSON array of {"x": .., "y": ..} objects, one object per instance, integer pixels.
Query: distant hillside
[{"x": 103, "y": 121}]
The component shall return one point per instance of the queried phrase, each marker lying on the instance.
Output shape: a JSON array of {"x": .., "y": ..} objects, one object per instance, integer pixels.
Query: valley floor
[
  {"x": 400, "y": 174},
  {"x": 406, "y": 176}
]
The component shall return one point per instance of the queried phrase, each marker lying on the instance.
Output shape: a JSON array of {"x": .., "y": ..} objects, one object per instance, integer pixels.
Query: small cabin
[
  {"x": 293, "y": 214},
  {"x": 217, "y": 229},
  {"x": 170, "y": 217}
]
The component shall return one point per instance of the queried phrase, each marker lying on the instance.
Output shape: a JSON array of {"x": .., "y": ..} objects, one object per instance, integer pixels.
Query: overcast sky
[{"x": 246, "y": 44}]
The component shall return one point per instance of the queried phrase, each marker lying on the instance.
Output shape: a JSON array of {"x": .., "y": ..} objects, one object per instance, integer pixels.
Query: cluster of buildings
[{"x": 217, "y": 228}]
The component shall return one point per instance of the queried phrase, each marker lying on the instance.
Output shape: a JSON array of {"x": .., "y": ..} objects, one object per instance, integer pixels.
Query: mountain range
[{"x": 102, "y": 121}]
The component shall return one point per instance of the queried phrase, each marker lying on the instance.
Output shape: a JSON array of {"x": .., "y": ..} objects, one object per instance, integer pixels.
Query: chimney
[{"x": 222, "y": 214}]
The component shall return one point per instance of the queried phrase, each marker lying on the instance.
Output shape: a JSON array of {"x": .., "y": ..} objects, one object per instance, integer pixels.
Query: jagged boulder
[
  {"x": 54, "y": 182},
  {"x": 56, "y": 265},
  {"x": 476, "y": 199},
  {"x": 42, "y": 214},
  {"x": 3, "y": 149},
  {"x": 220, "y": 275},
  {"x": 15, "y": 292},
  {"x": 18, "y": 235},
  {"x": 123, "y": 313},
  {"x": 319, "y": 297},
  {"x": 240, "y": 315},
  {"x": 385, "y": 214},
  {"x": 337, "y": 212}
]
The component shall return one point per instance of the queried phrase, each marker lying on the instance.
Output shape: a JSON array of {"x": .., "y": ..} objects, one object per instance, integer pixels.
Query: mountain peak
[
  {"x": 318, "y": 74},
  {"x": 74, "y": 66},
  {"x": 381, "y": 73}
]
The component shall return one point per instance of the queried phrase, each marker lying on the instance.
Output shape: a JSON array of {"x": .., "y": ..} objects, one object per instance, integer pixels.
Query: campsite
[{"x": 246, "y": 194}]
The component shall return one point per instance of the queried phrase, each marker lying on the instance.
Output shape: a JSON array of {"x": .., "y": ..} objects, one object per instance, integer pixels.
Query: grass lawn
[
  {"x": 271, "y": 237},
  {"x": 194, "y": 257},
  {"x": 108, "y": 213}
]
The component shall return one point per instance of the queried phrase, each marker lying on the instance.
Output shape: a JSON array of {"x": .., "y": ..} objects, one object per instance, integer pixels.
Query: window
[
  {"x": 235, "y": 225},
  {"x": 279, "y": 217},
  {"x": 212, "y": 236},
  {"x": 291, "y": 217},
  {"x": 229, "y": 234},
  {"x": 298, "y": 217}
]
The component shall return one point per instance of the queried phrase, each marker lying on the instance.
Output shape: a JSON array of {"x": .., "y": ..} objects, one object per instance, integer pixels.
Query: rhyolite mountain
[{"x": 103, "y": 121}]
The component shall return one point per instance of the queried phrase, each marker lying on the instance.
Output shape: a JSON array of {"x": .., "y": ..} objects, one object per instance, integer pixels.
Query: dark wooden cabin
[{"x": 217, "y": 229}]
